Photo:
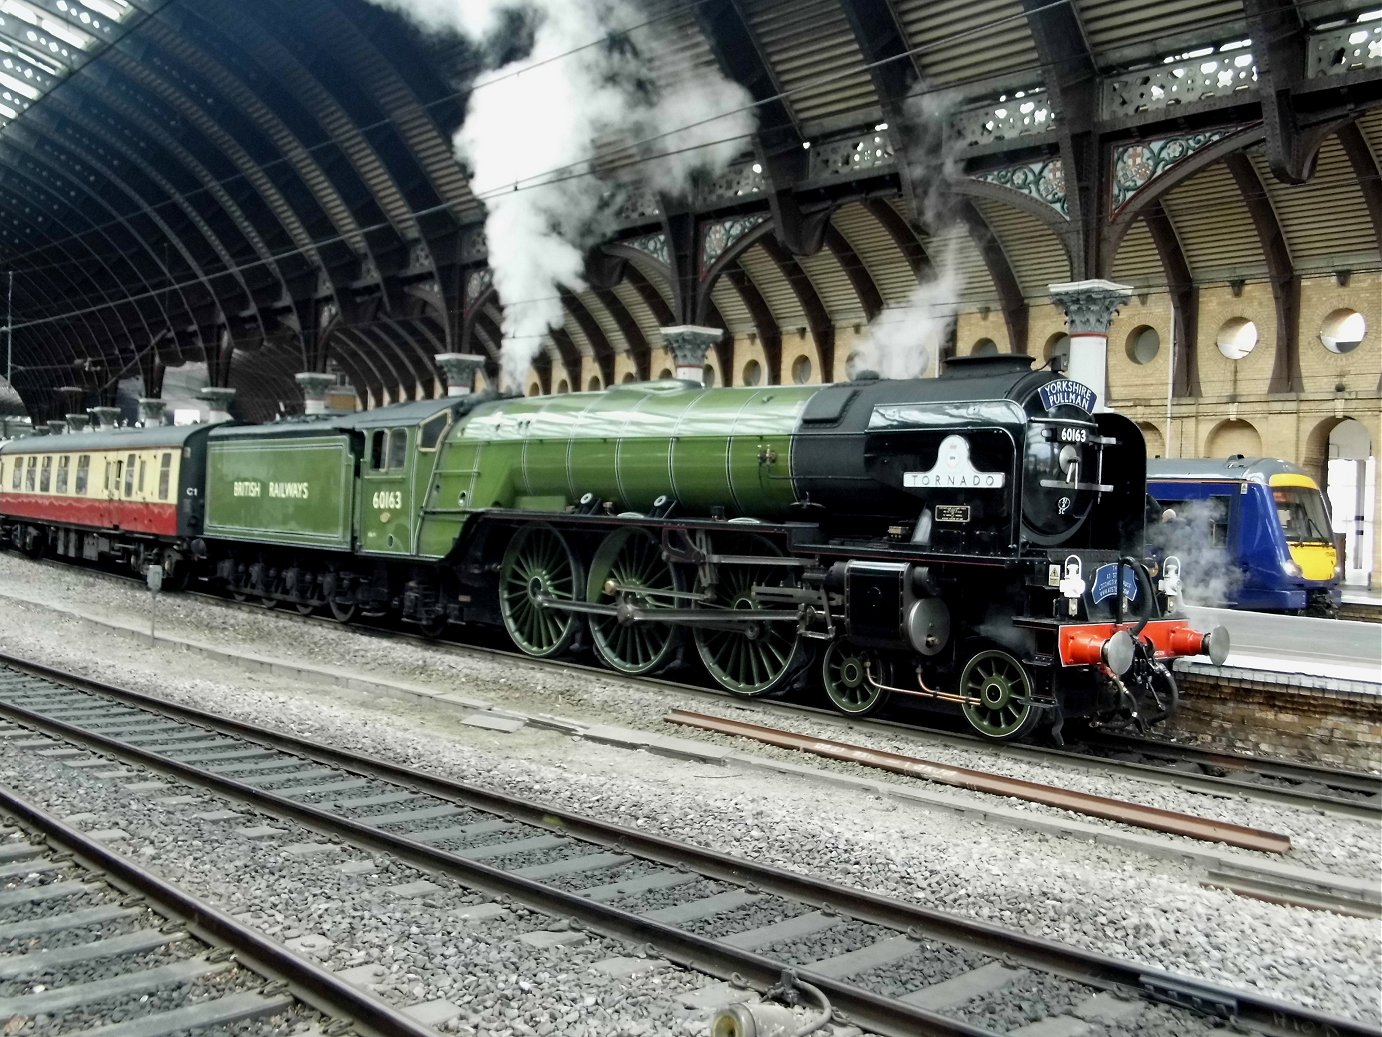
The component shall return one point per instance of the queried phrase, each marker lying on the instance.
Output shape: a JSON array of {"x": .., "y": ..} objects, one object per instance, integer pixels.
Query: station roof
[{"x": 218, "y": 181}]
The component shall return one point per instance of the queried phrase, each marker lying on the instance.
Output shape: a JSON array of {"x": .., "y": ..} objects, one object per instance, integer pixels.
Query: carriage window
[
  {"x": 398, "y": 449},
  {"x": 63, "y": 462},
  {"x": 15, "y": 477},
  {"x": 46, "y": 479},
  {"x": 376, "y": 449},
  {"x": 30, "y": 473},
  {"x": 129, "y": 475},
  {"x": 143, "y": 464},
  {"x": 165, "y": 471},
  {"x": 430, "y": 434},
  {"x": 83, "y": 470}
]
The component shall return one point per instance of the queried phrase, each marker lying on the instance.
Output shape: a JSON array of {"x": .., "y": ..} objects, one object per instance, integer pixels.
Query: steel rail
[
  {"x": 308, "y": 981},
  {"x": 1118, "y": 810},
  {"x": 1287, "y": 770},
  {"x": 866, "y": 1010}
]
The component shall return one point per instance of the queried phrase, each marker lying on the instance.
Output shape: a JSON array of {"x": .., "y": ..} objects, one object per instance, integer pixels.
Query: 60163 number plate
[{"x": 952, "y": 512}]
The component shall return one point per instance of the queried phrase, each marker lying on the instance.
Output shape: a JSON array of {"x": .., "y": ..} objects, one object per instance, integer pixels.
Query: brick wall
[{"x": 1338, "y": 729}]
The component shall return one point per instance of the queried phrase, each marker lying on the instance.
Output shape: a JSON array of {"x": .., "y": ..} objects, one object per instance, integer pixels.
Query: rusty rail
[{"x": 1122, "y": 811}]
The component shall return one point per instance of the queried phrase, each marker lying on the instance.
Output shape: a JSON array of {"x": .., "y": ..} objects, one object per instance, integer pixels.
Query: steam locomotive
[{"x": 970, "y": 542}]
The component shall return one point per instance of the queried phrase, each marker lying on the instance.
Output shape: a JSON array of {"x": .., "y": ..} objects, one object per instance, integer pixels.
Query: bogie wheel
[
  {"x": 306, "y": 608},
  {"x": 851, "y": 677},
  {"x": 630, "y": 563},
  {"x": 998, "y": 696},
  {"x": 435, "y": 627},
  {"x": 539, "y": 564},
  {"x": 747, "y": 656},
  {"x": 342, "y": 611}
]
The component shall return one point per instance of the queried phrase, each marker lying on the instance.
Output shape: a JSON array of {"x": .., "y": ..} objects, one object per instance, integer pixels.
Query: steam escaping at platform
[
  {"x": 905, "y": 341},
  {"x": 558, "y": 139},
  {"x": 1194, "y": 532}
]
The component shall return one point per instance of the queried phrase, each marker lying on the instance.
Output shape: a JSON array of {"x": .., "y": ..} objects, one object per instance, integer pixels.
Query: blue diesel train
[{"x": 1251, "y": 533}]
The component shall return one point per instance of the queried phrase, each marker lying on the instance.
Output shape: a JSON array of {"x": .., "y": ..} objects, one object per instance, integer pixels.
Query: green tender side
[
  {"x": 705, "y": 448},
  {"x": 293, "y": 488}
]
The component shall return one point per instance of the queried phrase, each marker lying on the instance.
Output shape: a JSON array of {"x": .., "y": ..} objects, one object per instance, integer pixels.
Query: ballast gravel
[{"x": 1108, "y": 899}]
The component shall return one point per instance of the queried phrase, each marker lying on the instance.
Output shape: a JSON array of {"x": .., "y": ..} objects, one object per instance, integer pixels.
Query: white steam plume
[
  {"x": 904, "y": 341},
  {"x": 533, "y": 128},
  {"x": 1207, "y": 570}
]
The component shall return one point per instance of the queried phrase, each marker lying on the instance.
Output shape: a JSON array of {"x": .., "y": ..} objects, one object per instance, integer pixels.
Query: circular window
[
  {"x": 629, "y": 376},
  {"x": 1343, "y": 330},
  {"x": 1058, "y": 345},
  {"x": 664, "y": 373},
  {"x": 753, "y": 372},
  {"x": 1143, "y": 344},
  {"x": 985, "y": 347},
  {"x": 708, "y": 376},
  {"x": 593, "y": 385},
  {"x": 563, "y": 387},
  {"x": 1237, "y": 337},
  {"x": 801, "y": 370},
  {"x": 535, "y": 390}
]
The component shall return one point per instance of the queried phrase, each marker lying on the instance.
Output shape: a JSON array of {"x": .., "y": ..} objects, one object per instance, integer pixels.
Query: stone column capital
[
  {"x": 459, "y": 370},
  {"x": 1090, "y": 305},
  {"x": 106, "y": 417},
  {"x": 314, "y": 385},
  {"x": 77, "y": 422},
  {"x": 151, "y": 410},
  {"x": 218, "y": 399},
  {"x": 56, "y": 426},
  {"x": 689, "y": 344}
]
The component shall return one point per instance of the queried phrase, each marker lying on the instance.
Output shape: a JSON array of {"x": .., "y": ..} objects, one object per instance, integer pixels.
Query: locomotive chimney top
[{"x": 982, "y": 366}]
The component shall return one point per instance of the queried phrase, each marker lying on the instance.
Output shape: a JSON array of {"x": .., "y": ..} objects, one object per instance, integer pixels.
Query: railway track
[
  {"x": 91, "y": 943},
  {"x": 1336, "y": 791},
  {"x": 891, "y": 967}
]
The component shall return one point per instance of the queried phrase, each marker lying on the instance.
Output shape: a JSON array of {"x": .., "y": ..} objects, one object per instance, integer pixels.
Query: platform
[{"x": 1332, "y": 650}]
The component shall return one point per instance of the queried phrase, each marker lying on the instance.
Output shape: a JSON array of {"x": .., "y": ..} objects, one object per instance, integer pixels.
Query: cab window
[
  {"x": 63, "y": 463},
  {"x": 165, "y": 470},
  {"x": 30, "y": 474},
  {"x": 46, "y": 479},
  {"x": 398, "y": 449},
  {"x": 129, "y": 475},
  {"x": 431, "y": 432},
  {"x": 83, "y": 470},
  {"x": 377, "y": 450}
]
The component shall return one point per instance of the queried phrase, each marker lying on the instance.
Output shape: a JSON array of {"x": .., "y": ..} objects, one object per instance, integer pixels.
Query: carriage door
[{"x": 386, "y": 508}]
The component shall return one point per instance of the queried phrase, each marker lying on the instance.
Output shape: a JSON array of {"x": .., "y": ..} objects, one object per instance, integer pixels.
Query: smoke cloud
[
  {"x": 1195, "y": 535},
  {"x": 589, "y": 92},
  {"x": 904, "y": 341}
]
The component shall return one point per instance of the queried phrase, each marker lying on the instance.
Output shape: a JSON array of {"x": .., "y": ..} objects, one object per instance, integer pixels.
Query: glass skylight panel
[{"x": 42, "y": 41}]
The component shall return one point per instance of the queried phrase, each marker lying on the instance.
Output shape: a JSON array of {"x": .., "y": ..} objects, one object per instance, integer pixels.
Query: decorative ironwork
[
  {"x": 732, "y": 184},
  {"x": 474, "y": 246},
  {"x": 1043, "y": 180},
  {"x": 1137, "y": 165},
  {"x": 1020, "y": 114},
  {"x": 638, "y": 205},
  {"x": 1178, "y": 83},
  {"x": 724, "y": 233},
  {"x": 1349, "y": 48},
  {"x": 852, "y": 156},
  {"x": 654, "y": 245},
  {"x": 476, "y": 282}
]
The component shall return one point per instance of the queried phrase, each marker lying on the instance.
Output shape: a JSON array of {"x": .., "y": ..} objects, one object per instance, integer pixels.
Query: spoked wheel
[
  {"x": 538, "y": 565},
  {"x": 306, "y": 608},
  {"x": 846, "y": 670},
  {"x": 749, "y": 656},
  {"x": 342, "y": 611},
  {"x": 998, "y": 696},
  {"x": 629, "y": 568}
]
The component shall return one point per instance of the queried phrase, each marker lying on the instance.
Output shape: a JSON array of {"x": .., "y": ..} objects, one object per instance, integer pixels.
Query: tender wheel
[
  {"x": 845, "y": 671},
  {"x": 630, "y": 560},
  {"x": 749, "y": 657},
  {"x": 306, "y": 608},
  {"x": 998, "y": 696},
  {"x": 342, "y": 611},
  {"x": 434, "y": 627},
  {"x": 538, "y": 564}
]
